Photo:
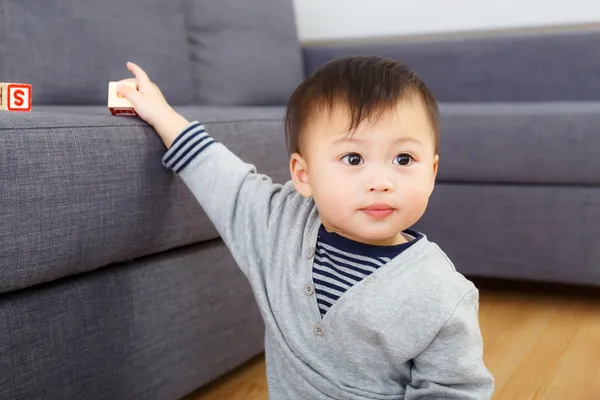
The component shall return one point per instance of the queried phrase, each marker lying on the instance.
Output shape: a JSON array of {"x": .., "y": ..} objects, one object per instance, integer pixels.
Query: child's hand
[{"x": 150, "y": 104}]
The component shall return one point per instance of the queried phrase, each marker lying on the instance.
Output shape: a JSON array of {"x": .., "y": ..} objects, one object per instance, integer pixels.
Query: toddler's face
[{"x": 372, "y": 185}]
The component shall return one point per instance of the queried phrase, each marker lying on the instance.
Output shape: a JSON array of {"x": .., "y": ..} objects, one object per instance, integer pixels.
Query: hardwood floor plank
[
  {"x": 529, "y": 378},
  {"x": 249, "y": 382},
  {"x": 516, "y": 340},
  {"x": 578, "y": 370}
]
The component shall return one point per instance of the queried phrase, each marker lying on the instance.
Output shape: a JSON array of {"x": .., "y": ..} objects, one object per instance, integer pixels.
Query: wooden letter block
[
  {"x": 15, "y": 97},
  {"x": 117, "y": 104}
]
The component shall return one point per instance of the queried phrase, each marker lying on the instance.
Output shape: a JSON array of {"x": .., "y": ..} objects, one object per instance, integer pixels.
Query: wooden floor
[{"x": 541, "y": 342}]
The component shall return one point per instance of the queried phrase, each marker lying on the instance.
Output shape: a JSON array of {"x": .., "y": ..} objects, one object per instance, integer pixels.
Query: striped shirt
[{"x": 340, "y": 263}]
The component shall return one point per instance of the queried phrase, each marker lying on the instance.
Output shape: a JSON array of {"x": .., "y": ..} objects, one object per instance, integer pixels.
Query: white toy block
[
  {"x": 117, "y": 104},
  {"x": 15, "y": 96}
]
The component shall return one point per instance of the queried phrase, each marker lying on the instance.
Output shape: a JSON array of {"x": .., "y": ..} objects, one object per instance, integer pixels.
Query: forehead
[{"x": 408, "y": 119}]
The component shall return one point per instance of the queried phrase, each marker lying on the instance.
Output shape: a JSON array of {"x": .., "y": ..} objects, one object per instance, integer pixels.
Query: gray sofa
[{"x": 113, "y": 282}]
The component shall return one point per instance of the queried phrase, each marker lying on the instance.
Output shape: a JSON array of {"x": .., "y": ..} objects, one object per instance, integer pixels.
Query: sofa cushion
[
  {"x": 520, "y": 143},
  {"x": 69, "y": 50},
  {"x": 82, "y": 189},
  {"x": 244, "y": 52},
  {"x": 536, "y": 232},
  {"x": 154, "y": 329}
]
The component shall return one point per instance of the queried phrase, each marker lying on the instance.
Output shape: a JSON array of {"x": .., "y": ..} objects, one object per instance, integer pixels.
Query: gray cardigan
[{"x": 409, "y": 330}]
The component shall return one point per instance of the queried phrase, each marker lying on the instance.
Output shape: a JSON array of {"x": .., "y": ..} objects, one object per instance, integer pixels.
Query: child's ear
[
  {"x": 299, "y": 172},
  {"x": 436, "y": 161}
]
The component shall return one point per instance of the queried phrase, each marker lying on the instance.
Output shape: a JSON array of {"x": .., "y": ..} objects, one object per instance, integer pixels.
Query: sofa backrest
[
  {"x": 536, "y": 66},
  {"x": 70, "y": 49},
  {"x": 243, "y": 51},
  {"x": 225, "y": 52}
]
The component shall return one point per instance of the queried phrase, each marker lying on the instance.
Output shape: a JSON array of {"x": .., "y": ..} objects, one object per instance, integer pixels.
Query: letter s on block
[{"x": 19, "y": 97}]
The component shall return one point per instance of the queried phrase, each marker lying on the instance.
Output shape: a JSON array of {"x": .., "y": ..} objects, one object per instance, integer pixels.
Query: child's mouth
[{"x": 378, "y": 211}]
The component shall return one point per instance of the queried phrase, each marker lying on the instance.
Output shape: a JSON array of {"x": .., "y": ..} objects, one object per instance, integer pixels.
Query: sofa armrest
[{"x": 526, "y": 67}]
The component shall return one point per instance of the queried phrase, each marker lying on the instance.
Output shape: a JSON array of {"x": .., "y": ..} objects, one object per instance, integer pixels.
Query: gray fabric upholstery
[
  {"x": 533, "y": 143},
  {"x": 69, "y": 50},
  {"x": 157, "y": 328},
  {"x": 542, "y": 233},
  {"x": 544, "y": 67},
  {"x": 83, "y": 189},
  {"x": 243, "y": 52}
]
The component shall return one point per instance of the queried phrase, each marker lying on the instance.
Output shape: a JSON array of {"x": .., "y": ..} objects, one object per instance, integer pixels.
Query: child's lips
[{"x": 378, "y": 210}]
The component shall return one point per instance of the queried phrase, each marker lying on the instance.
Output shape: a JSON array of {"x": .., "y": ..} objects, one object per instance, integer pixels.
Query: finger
[
  {"x": 130, "y": 94},
  {"x": 144, "y": 82},
  {"x": 128, "y": 80}
]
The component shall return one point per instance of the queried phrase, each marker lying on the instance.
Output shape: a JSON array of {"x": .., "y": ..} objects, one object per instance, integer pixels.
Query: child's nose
[
  {"x": 381, "y": 188},
  {"x": 381, "y": 183}
]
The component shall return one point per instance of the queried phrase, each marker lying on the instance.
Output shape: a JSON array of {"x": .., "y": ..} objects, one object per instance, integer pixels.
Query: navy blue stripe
[
  {"x": 347, "y": 258},
  {"x": 175, "y": 150},
  {"x": 324, "y": 303},
  {"x": 342, "y": 264},
  {"x": 368, "y": 250},
  {"x": 182, "y": 134},
  {"x": 182, "y": 144},
  {"x": 332, "y": 276},
  {"x": 333, "y": 266},
  {"x": 329, "y": 285},
  {"x": 193, "y": 156},
  {"x": 328, "y": 294},
  {"x": 182, "y": 154},
  {"x": 186, "y": 141}
]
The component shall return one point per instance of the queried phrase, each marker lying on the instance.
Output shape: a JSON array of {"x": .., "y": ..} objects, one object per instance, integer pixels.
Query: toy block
[
  {"x": 15, "y": 96},
  {"x": 117, "y": 104}
]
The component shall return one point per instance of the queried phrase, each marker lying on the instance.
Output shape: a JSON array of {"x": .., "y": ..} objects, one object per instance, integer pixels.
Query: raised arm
[{"x": 240, "y": 202}]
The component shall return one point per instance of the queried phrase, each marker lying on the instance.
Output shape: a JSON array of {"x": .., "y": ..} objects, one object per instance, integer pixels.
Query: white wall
[{"x": 343, "y": 19}]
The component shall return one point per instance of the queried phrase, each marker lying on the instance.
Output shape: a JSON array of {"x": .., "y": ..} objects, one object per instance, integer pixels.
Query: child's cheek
[{"x": 418, "y": 199}]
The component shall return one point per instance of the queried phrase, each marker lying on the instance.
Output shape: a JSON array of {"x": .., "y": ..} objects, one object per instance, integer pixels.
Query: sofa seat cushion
[
  {"x": 69, "y": 50},
  {"x": 82, "y": 189},
  {"x": 520, "y": 143}
]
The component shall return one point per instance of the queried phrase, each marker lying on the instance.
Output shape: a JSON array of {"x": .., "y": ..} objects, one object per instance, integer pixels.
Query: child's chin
[{"x": 379, "y": 235}]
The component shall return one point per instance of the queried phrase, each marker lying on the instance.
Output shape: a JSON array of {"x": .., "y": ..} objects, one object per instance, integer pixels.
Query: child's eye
[
  {"x": 403, "y": 159},
  {"x": 352, "y": 159}
]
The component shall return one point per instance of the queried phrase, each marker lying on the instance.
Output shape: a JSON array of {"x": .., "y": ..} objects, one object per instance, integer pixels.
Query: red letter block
[{"x": 15, "y": 96}]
